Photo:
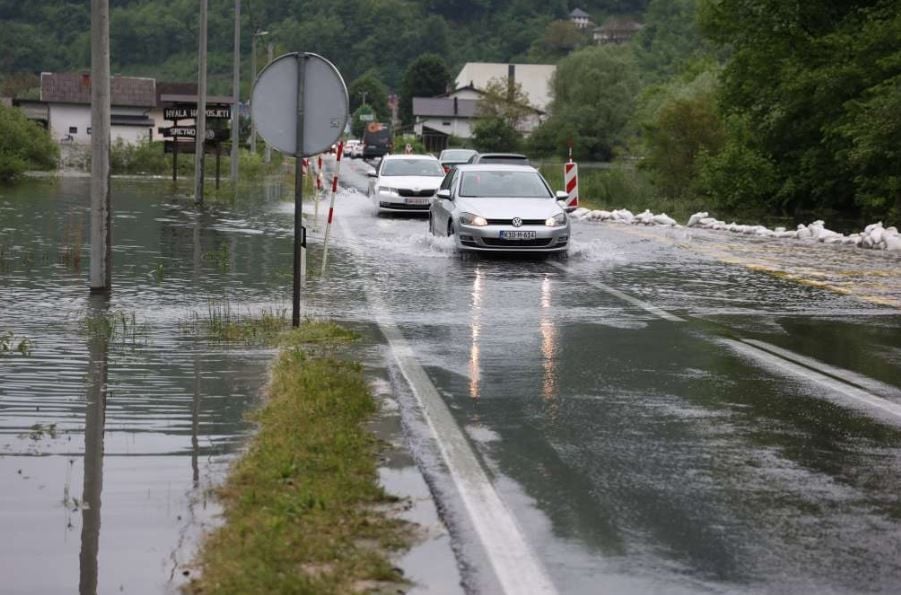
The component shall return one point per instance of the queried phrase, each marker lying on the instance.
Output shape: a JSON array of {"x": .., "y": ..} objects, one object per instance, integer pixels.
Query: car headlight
[
  {"x": 387, "y": 190},
  {"x": 557, "y": 220},
  {"x": 474, "y": 220}
]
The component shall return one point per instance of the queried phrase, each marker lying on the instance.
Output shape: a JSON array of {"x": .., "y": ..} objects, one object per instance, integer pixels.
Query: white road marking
[
  {"x": 843, "y": 392},
  {"x": 514, "y": 562},
  {"x": 863, "y": 382},
  {"x": 660, "y": 313}
]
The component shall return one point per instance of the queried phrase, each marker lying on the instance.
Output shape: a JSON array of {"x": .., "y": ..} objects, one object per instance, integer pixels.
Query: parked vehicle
[
  {"x": 509, "y": 158},
  {"x": 450, "y": 158},
  {"x": 405, "y": 183},
  {"x": 376, "y": 140},
  {"x": 500, "y": 208}
]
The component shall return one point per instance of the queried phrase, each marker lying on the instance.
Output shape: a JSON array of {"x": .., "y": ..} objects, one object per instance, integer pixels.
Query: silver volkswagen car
[{"x": 500, "y": 208}]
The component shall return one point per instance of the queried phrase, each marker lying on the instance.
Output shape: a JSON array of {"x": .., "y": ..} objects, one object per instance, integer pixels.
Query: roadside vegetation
[
  {"x": 303, "y": 511},
  {"x": 24, "y": 145},
  {"x": 222, "y": 323}
]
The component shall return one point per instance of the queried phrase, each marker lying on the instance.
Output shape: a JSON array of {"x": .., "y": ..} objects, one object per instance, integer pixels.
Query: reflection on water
[
  {"x": 153, "y": 422},
  {"x": 94, "y": 426},
  {"x": 475, "y": 330},
  {"x": 548, "y": 344}
]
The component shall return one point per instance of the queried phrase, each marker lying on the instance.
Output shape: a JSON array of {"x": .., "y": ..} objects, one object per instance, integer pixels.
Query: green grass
[
  {"x": 222, "y": 323},
  {"x": 115, "y": 327},
  {"x": 302, "y": 507}
]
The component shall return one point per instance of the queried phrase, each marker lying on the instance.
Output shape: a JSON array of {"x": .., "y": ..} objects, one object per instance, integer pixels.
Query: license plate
[
  {"x": 518, "y": 235},
  {"x": 416, "y": 201}
]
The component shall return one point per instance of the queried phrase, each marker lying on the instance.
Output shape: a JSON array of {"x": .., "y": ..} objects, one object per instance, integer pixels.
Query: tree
[
  {"x": 426, "y": 76},
  {"x": 680, "y": 122},
  {"x": 509, "y": 103},
  {"x": 595, "y": 91},
  {"x": 809, "y": 79},
  {"x": 495, "y": 134},
  {"x": 376, "y": 93},
  {"x": 356, "y": 123},
  {"x": 23, "y": 145}
]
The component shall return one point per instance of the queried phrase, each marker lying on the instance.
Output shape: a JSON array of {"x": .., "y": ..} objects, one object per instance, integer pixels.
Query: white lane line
[
  {"x": 863, "y": 382},
  {"x": 659, "y": 312},
  {"x": 513, "y": 560},
  {"x": 844, "y": 393}
]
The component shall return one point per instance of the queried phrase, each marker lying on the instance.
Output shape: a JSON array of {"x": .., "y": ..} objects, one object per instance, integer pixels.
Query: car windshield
[
  {"x": 412, "y": 167},
  {"x": 458, "y": 155},
  {"x": 503, "y": 184}
]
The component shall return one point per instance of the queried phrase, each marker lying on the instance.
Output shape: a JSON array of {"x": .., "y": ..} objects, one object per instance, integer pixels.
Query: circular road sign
[{"x": 274, "y": 103}]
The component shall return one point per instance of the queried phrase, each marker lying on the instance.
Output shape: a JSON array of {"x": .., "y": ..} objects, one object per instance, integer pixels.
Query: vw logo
[{"x": 516, "y": 222}]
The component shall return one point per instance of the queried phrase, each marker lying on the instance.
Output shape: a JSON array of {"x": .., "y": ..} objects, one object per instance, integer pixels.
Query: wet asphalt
[{"x": 636, "y": 452}]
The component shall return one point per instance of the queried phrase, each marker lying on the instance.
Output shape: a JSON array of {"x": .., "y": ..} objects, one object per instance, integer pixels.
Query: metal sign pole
[{"x": 298, "y": 191}]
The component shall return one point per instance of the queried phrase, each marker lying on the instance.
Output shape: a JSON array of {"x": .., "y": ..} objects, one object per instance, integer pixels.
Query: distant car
[
  {"x": 449, "y": 158},
  {"x": 405, "y": 183},
  {"x": 376, "y": 140},
  {"x": 353, "y": 148},
  {"x": 508, "y": 158},
  {"x": 500, "y": 208}
]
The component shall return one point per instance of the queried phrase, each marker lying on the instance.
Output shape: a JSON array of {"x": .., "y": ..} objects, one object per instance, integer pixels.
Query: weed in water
[
  {"x": 70, "y": 253},
  {"x": 158, "y": 272},
  {"x": 222, "y": 323},
  {"x": 219, "y": 257},
  {"x": 9, "y": 343},
  {"x": 115, "y": 327},
  {"x": 39, "y": 431}
]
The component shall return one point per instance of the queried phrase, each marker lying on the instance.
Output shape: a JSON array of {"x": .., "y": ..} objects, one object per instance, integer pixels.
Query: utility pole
[
  {"x": 200, "y": 129},
  {"x": 268, "y": 154},
  {"x": 253, "y": 77},
  {"x": 101, "y": 232},
  {"x": 236, "y": 102}
]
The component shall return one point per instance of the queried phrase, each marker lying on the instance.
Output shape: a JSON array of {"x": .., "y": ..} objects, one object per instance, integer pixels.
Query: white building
[
  {"x": 534, "y": 79},
  {"x": 67, "y": 97},
  {"x": 580, "y": 18}
]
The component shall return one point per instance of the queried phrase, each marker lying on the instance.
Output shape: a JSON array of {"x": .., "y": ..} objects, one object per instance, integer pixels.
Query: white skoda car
[
  {"x": 405, "y": 183},
  {"x": 500, "y": 208}
]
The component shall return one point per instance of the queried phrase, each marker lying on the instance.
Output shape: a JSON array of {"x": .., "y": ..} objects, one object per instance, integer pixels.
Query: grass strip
[{"x": 303, "y": 510}]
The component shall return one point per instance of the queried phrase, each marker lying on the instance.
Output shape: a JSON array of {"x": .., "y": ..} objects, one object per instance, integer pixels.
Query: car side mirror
[
  {"x": 373, "y": 174},
  {"x": 444, "y": 193},
  {"x": 562, "y": 197}
]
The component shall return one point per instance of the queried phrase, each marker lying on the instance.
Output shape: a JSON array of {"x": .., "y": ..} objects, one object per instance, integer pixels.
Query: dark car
[
  {"x": 376, "y": 140},
  {"x": 500, "y": 158},
  {"x": 450, "y": 158}
]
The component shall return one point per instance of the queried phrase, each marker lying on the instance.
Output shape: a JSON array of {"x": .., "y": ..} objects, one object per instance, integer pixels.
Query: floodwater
[
  {"x": 108, "y": 448},
  {"x": 637, "y": 453}
]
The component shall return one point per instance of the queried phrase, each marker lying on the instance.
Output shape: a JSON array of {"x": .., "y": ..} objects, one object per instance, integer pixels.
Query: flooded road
[{"x": 664, "y": 411}]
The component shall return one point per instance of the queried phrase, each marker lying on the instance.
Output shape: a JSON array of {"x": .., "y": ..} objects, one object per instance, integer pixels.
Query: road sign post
[{"x": 299, "y": 106}]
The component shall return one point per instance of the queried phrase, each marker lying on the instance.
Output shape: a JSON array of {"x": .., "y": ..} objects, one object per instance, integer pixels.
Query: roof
[
  {"x": 535, "y": 79},
  {"x": 578, "y": 13},
  {"x": 620, "y": 24},
  {"x": 210, "y": 99},
  {"x": 443, "y": 107},
  {"x": 70, "y": 87},
  {"x": 396, "y": 156}
]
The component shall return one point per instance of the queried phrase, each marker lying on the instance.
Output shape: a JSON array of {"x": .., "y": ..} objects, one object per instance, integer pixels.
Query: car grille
[
  {"x": 510, "y": 221},
  {"x": 403, "y": 207},
  {"x": 408, "y": 192},
  {"x": 536, "y": 243}
]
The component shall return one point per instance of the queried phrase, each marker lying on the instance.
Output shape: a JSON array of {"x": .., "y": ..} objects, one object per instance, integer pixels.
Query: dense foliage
[{"x": 24, "y": 145}]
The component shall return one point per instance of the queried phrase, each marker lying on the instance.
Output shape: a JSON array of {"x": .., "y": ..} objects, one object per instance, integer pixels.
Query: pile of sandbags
[
  {"x": 624, "y": 216},
  {"x": 874, "y": 236}
]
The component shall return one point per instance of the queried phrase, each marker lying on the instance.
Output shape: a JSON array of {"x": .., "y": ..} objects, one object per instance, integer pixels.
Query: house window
[
  {"x": 445, "y": 123},
  {"x": 89, "y": 130},
  {"x": 73, "y": 129}
]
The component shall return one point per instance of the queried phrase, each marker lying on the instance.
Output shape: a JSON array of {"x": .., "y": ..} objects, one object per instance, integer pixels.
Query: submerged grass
[
  {"x": 115, "y": 327},
  {"x": 222, "y": 323},
  {"x": 303, "y": 510}
]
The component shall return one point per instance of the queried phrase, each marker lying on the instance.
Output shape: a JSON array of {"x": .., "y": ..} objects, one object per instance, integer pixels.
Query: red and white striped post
[
  {"x": 318, "y": 196},
  {"x": 571, "y": 181},
  {"x": 331, "y": 207}
]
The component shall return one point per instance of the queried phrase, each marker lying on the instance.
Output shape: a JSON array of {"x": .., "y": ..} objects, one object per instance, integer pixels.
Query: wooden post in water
[
  {"x": 236, "y": 101},
  {"x": 200, "y": 129},
  {"x": 101, "y": 234}
]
